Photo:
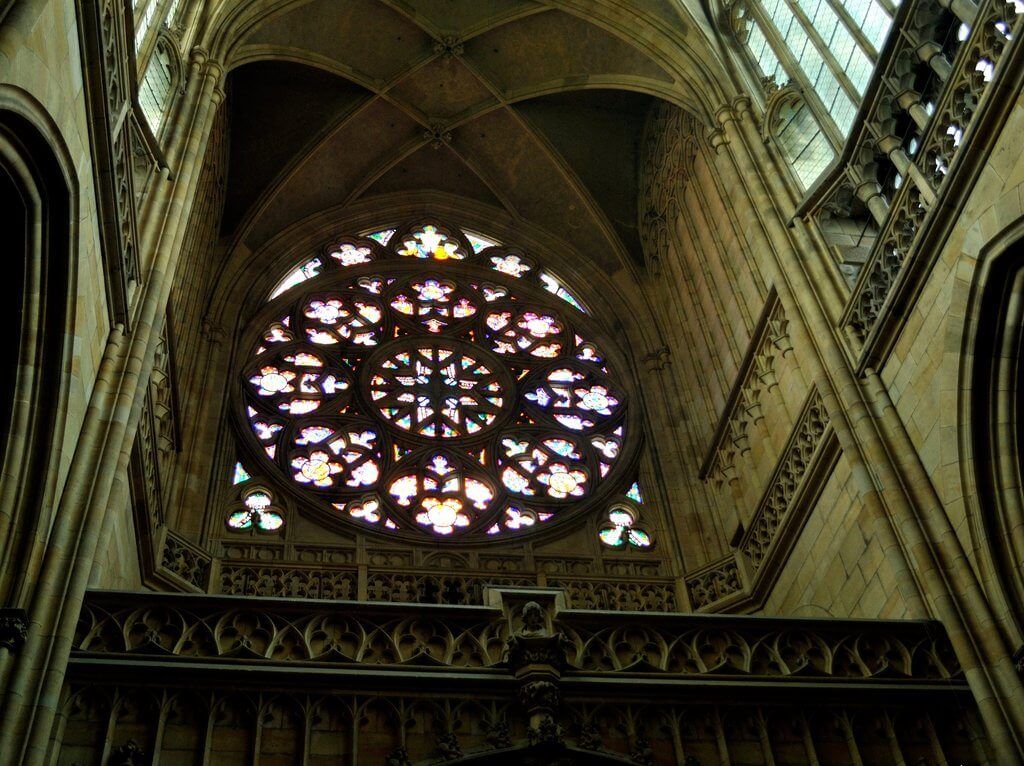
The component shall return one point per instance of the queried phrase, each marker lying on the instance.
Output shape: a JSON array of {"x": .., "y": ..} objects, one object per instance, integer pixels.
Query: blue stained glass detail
[
  {"x": 382, "y": 236},
  {"x": 240, "y": 474},
  {"x": 479, "y": 243}
]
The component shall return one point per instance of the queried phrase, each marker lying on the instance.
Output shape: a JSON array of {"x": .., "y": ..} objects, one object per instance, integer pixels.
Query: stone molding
[
  {"x": 769, "y": 341},
  {"x": 428, "y": 586},
  {"x": 186, "y": 563},
  {"x": 796, "y": 462},
  {"x": 670, "y": 149},
  {"x": 108, "y": 63}
]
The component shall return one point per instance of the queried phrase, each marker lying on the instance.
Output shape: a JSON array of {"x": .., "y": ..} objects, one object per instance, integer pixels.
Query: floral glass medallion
[{"x": 425, "y": 382}]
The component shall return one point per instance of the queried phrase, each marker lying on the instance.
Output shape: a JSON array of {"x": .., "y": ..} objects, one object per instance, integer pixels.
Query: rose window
[
  {"x": 438, "y": 390},
  {"x": 424, "y": 382}
]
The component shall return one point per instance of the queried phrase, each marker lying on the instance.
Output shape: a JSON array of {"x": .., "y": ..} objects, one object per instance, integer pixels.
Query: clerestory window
[
  {"x": 156, "y": 87},
  {"x": 826, "y": 50}
]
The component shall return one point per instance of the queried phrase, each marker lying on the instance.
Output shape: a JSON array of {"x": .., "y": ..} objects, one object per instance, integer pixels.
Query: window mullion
[
  {"x": 796, "y": 72},
  {"x": 858, "y": 34},
  {"x": 826, "y": 53}
]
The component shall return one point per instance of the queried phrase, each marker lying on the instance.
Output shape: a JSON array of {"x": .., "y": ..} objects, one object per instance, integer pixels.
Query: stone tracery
[{"x": 450, "y": 400}]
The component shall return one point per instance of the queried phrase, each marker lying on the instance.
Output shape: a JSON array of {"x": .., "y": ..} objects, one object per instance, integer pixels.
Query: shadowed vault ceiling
[{"x": 532, "y": 109}]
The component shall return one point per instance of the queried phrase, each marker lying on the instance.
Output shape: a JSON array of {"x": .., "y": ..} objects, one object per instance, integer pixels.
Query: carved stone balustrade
[
  {"x": 522, "y": 678},
  {"x": 909, "y": 142}
]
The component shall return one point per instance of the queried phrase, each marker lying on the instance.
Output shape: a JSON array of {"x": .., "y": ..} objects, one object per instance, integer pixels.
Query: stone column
[{"x": 33, "y": 691}]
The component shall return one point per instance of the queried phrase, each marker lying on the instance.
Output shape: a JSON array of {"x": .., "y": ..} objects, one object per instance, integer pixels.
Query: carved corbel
[
  {"x": 750, "y": 401},
  {"x": 536, "y": 655},
  {"x": 764, "y": 370},
  {"x": 778, "y": 331},
  {"x": 211, "y": 330},
  {"x": 656, "y": 360}
]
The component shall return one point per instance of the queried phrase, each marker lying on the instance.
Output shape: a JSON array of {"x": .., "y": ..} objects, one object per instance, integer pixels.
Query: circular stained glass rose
[{"x": 424, "y": 390}]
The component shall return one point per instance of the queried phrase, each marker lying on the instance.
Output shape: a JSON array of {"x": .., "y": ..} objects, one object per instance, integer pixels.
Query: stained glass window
[
  {"x": 257, "y": 513},
  {"x": 553, "y": 285},
  {"x": 633, "y": 493},
  {"x": 423, "y": 381},
  {"x": 143, "y": 19},
  {"x": 622, "y": 530},
  {"x": 239, "y": 474},
  {"x": 383, "y": 237},
  {"x": 478, "y": 242}
]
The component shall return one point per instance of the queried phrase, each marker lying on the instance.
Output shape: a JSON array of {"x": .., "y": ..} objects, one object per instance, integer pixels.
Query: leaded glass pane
[
  {"x": 155, "y": 90},
  {"x": 803, "y": 144},
  {"x": 833, "y": 31}
]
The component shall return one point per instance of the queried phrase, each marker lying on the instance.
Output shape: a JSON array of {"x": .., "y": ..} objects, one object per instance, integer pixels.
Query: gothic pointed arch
[
  {"x": 992, "y": 422},
  {"x": 38, "y": 222}
]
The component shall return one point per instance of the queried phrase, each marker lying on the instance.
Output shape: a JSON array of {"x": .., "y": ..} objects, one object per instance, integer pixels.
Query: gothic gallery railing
[
  {"x": 239, "y": 680},
  {"x": 930, "y": 100},
  {"x": 189, "y": 567}
]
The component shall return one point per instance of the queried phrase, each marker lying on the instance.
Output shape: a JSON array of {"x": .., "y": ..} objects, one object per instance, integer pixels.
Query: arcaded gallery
[{"x": 512, "y": 382}]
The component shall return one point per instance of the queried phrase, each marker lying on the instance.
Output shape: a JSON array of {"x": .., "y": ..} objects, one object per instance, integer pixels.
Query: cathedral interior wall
[
  {"x": 925, "y": 374},
  {"x": 734, "y": 379},
  {"x": 837, "y": 567}
]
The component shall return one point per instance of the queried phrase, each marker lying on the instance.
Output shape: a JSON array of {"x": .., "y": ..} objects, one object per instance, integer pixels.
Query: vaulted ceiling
[{"x": 534, "y": 109}]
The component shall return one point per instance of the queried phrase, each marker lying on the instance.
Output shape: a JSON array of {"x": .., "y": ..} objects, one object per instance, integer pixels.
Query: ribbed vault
[{"x": 535, "y": 109}]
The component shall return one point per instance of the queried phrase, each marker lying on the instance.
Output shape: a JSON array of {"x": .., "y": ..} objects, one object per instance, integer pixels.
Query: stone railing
[
  {"x": 291, "y": 632},
  {"x": 758, "y": 374},
  {"x": 108, "y": 59},
  {"x": 748, "y": 571},
  {"x": 520, "y": 680},
  {"x": 428, "y": 586},
  {"x": 907, "y": 145}
]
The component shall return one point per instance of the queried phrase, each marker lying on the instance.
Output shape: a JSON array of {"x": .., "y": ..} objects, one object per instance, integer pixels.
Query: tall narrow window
[
  {"x": 144, "y": 11},
  {"x": 155, "y": 90},
  {"x": 172, "y": 13}
]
